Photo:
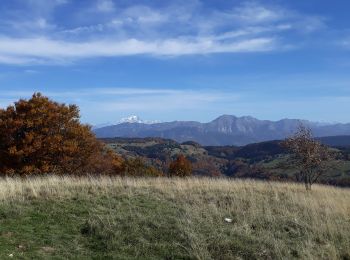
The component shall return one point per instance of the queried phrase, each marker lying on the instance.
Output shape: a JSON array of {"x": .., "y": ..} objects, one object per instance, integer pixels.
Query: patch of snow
[{"x": 136, "y": 119}]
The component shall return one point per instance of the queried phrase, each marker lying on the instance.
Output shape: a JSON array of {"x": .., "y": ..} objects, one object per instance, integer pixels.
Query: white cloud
[
  {"x": 129, "y": 100},
  {"x": 105, "y": 6},
  {"x": 43, "y": 6},
  {"x": 115, "y": 92},
  {"x": 85, "y": 29},
  {"x": 173, "y": 30},
  {"x": 253, "y": 30},
  {"x": 41, "y": 23},
  {"x": 42, "y": 50},
  {"x": 143, "y": 14},
  {"x": 254, "y": 13},
  {"x": 26, "y": 26},
  {"x": 16, "y": 60}
]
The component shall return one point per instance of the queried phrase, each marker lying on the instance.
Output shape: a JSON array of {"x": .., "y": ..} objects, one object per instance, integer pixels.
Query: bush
[{"x": 181, "y": 167}]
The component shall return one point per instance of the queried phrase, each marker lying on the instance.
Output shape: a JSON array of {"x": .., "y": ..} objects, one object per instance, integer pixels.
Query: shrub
[{"x": 181, "y": 167}]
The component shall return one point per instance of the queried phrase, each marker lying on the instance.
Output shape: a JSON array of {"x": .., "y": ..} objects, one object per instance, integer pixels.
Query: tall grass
[{"x": 160, "y": 218}]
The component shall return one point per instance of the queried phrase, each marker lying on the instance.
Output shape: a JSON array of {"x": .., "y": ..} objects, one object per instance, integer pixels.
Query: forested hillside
[{"x": 266, "y": 160}]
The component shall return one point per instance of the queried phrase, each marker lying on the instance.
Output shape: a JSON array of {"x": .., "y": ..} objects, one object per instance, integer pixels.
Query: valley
[{"x": 265, "y": 160}]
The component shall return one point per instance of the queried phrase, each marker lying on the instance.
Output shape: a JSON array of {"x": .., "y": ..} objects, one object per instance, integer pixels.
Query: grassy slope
[{"x": 171, "y": 219}]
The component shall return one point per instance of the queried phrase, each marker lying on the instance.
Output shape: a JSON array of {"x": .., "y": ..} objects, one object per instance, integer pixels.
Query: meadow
[{"x": 169, "y": 218}]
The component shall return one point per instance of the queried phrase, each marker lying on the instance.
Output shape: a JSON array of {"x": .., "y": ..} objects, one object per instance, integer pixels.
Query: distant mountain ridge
[{"x": 224, "y": 130}]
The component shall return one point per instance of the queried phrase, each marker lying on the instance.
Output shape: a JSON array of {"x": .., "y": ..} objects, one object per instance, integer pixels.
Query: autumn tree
[
  {"x": 181, "y": 167},
  {"x": 312, "y": 158},
  {"x": 39, "y": 136}
]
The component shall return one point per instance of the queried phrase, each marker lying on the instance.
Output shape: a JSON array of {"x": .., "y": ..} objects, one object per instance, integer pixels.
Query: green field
[{"x": 163, "y": 218}]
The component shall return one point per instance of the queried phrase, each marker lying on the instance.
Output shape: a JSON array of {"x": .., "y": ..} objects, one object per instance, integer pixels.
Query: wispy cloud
[
  {"x": 254, "y": 13},
  {"x": 116, "y": 92},
  {"x": 31, "y": 25},
  {"x": 105, "y": 5},
  {"x": 42, "y": 50},
  {"x": 170, "y": 30},
  {"x": 100, "y": 103}
]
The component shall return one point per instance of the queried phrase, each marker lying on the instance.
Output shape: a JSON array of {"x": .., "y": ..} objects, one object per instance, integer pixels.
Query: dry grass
[{"x": 270, "y": 220}]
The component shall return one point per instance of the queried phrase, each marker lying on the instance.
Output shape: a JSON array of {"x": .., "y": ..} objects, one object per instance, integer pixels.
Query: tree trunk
[
  {"x": 307, "y": 181},
  {"x": 307, "y": 186}
]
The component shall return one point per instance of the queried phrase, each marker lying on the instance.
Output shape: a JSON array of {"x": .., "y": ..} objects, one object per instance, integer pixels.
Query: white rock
[{"x": 228, "y": 220}]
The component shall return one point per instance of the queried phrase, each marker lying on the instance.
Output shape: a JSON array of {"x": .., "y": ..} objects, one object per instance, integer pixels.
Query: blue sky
[{"x": 180, "y": 60}]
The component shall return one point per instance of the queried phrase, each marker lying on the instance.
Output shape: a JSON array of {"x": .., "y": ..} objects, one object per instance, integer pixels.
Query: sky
[{"x": 180, "y": 59}]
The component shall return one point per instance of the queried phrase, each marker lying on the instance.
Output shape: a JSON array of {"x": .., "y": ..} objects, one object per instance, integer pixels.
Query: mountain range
[{"x": 224, "y": 130}]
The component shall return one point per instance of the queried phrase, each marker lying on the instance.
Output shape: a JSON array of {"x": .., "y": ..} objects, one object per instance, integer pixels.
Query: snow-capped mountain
[
  {"x": 130, "y": 119},
  {"x": 136, "y": 119}
]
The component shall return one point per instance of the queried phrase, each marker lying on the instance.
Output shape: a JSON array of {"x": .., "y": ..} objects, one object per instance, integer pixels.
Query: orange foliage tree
[
  {"x": 39, "y": 136},
  {"x": 181, "y": 167}
]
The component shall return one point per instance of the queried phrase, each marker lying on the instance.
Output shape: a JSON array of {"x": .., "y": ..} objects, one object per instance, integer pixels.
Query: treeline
[{"x": 39, "y": 137}]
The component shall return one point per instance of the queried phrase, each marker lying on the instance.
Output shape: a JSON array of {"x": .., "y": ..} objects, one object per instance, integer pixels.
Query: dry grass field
[{"x": 161, "y": 218}]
